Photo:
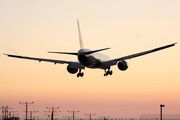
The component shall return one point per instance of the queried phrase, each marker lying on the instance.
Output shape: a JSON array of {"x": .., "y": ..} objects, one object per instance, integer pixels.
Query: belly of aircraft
[{"x": 89, "y": 61}]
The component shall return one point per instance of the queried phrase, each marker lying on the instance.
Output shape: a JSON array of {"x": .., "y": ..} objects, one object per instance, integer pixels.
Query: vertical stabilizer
[{"x": 80, "y": 37}]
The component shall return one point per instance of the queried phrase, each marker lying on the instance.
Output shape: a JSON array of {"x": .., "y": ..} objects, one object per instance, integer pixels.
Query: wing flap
[
  {"x": 38, "y": 59},
  {"x": 71, "y": 63}
]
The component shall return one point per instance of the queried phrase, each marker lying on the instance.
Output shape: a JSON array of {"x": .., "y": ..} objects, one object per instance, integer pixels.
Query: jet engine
[
  {"x": 72, "y": 70},
  {"x": 122, "y": 65}
]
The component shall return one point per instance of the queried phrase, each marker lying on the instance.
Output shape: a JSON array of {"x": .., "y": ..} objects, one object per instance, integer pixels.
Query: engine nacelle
[
  {"x": 123, "y": 65},
  {"x": 72, "y": 70}
]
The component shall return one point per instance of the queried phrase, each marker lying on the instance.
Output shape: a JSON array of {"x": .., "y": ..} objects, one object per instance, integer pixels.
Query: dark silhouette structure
[
  {"x": 73, "y": 112},
  {"x": 90, "y": 115},
  {"x": 13, "y": 112},
  {"x": 52, "y": 112},
  {"x": 26, "y": 104},
  {"x": 161, "y": 106},
  {"x": 104, "y": 117},
  {"x": 31, "y": 114}
]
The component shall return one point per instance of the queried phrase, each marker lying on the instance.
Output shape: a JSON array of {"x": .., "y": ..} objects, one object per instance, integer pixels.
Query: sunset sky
[{"x": 31, "y": 28}]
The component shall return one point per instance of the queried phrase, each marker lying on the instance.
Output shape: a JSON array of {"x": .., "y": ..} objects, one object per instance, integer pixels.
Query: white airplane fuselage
[{"x": 93, "y": 60}]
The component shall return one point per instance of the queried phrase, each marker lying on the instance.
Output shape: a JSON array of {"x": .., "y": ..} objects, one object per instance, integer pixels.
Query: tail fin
[{"x": 80, "y": 37}]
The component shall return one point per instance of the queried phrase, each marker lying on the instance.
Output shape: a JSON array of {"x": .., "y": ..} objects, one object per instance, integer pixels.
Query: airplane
[{"x": 92, "y": 58}]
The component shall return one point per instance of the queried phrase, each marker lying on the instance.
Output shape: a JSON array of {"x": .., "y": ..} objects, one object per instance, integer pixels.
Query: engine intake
[
  {"x": 123, "y": 65},
  {"x": 72, "y": 70}
]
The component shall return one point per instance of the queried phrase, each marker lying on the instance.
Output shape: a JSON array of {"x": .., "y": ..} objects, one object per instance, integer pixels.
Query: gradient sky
[{"x": 32, "y": 28}]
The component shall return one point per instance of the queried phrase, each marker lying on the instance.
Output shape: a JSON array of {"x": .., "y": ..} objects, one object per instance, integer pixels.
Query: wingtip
[
  {"x": 174, "y": 44},
  {"x": 107, "y": 48}
]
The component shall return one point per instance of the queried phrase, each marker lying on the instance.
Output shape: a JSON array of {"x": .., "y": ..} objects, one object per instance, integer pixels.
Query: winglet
[{"x": 80, "y": 37}]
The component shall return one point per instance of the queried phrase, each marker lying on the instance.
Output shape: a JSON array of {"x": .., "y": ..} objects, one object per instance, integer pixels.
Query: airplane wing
[
  {"x": 71, "y": 63},
  {"x": 114, "y": 61}
]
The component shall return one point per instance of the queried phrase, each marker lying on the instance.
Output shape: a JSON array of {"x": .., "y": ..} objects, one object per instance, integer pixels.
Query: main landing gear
[
  {"x": 109, "y": 72},
  {"x": 81, "y": 74}
]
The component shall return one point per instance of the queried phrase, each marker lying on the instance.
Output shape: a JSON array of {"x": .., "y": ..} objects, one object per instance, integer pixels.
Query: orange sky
[{"x": 32, "y": 28}]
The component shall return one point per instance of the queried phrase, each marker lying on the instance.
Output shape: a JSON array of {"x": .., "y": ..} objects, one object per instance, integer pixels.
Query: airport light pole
[
  {"x": 12, "y": 112},
  {"x": 104, "y": 117},
  {"x": 90, "y": 115},
  {"x": 67, "y": 117},
  {"x": 73, "y": 112},
  {"x": 161, "y": 106},
  {"x": 6, "y": 111},
  {"x": 35, "y": 117},
  {"x": 26, "y": 104},
  {"x": 14, "y": 115},
  {"x": 52, "y": 110},
  {"x": 31, "y": 114},
  {"x": 3, "y": 108}
]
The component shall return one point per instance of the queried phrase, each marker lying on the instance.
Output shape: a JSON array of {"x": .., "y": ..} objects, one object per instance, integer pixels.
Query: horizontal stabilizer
[
  {"x": 63, "y": 53},
  {"x": 79, "y": 53},
  {"x": 90, "y": 52}
]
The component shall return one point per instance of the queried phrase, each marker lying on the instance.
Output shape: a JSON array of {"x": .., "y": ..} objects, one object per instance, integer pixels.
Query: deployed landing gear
[
  {"x": 109, "y": 72},
  {"x": 81, "y": 74}
]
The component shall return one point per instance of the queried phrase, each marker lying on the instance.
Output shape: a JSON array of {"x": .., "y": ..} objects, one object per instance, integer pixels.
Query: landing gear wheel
[
  {"x": 108, "y": 73},
  {"x": 80, "y": 74}
]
